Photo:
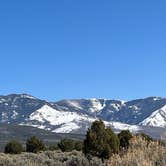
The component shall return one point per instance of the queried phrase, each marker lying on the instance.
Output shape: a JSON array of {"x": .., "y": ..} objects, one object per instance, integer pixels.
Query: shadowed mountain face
[
  {"x": 15, "y": 108},
  {"x": 75, "y": 116}
]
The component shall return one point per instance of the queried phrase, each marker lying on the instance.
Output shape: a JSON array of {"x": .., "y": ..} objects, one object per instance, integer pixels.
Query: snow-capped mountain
[
  {"x": 49, "y": 118},
  {"x": 58, "y": 121},
  {"x": 75, "y": 116},
  {"x": 157, "y": 118}
]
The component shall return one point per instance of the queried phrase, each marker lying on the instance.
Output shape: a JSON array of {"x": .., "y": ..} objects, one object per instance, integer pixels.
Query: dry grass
[{"x": 140, "y": 153}]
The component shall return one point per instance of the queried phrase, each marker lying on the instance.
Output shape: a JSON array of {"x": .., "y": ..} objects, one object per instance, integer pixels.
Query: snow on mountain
[
  {"x": 88, "y": 106},
  {"x": 157, "y": 118},
  {"x": 55, "y": 117},
  {"x": 123, "y": 126},
  {"x": 57, "y": 121},
  {"x": 67, "y": 122},
  {"x": 96, "y": 105},
  {"x": 67, "y": 128},
  {"x": 74, "y": 104},
  {"x": 27, "y": 96}
]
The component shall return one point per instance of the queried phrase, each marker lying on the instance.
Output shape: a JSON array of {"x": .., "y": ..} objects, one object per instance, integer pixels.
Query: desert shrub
[
  {"x": 124, "y": 138},
  {"x": 78, "y": 145},
  {"x": 53, "y": 147},
  {"x": 34, "y": 145},
  {"x": 77, "y": 161},
  {"x": 100, "y": 142},
  {"x": 66, "y": 145},
  {"x": 49, "y": 158},
  {"x": 13, "y": 147},
  {"x": 97, "y": 162}
]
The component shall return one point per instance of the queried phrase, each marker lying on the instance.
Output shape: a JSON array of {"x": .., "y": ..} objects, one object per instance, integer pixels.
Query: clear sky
[{"x": 56, "y": 49}]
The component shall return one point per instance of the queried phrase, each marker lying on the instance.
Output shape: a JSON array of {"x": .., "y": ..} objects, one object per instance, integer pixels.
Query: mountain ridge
[{"x": 76, "y": 115}]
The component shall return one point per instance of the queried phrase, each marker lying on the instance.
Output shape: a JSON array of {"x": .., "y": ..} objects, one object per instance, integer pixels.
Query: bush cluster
[
  {"x": 67, "y": 145},
  {"x": 34, "y": 145},
  {"x": 13, "y": 147}
]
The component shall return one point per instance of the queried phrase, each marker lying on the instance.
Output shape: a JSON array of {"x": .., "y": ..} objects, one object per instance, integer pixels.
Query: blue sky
[{"x": 83, "y": 49}]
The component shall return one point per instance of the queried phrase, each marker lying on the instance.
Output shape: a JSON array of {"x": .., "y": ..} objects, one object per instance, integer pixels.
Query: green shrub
[
  {"x": 13, "y": 147},
  {"x": 124, "y": 138},
  {"x": 78, "y": 145},
  {"x": 53, "y": 147},
  {"x": 113, "y": 141},
  {"x": 34, "y": 145},
  {"x": 100, "y": 142},
  {"x": 66, "y": 145}
]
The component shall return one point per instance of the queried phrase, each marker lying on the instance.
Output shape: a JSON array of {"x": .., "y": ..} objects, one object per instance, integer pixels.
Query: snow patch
[
  {"x": 67, "y": 128},
  {"x": 97, "y": 106},
  {"x": 4, "y": 116},
  {"x": 123, "y": 126},
  {"x": 156, "y": 98},
  {"x": 27, "y": 96},
  {"x": 15, "y": 114},
  {"x": 74, "y": 104}
]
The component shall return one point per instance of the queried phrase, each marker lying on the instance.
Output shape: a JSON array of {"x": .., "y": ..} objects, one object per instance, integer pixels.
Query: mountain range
[{"x": 75, "y": 116}]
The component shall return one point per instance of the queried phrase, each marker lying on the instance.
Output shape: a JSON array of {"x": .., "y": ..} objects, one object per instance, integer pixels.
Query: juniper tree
[
  {"x": 124, "y": 138},
  {"x": 34, "y": 145},
  {"x": 100, "y": 142},
  {"x": 13, "y": 147}
]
